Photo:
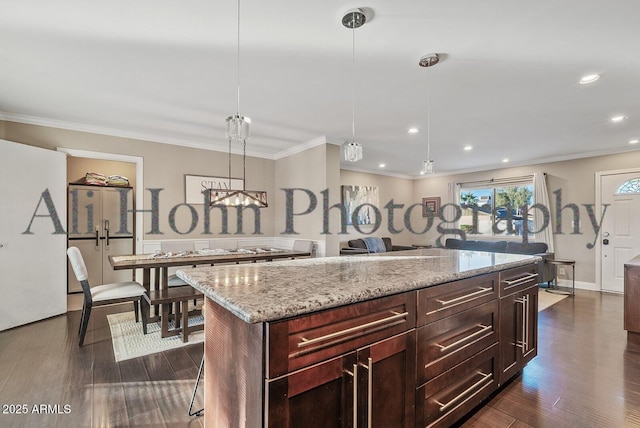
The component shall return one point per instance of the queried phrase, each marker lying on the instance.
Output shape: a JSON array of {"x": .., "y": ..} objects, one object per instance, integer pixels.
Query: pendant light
[
  {"x": 353, "y": 18},
  {"x": 428, "y": 60},
  {"x": 238, "y": 130}
]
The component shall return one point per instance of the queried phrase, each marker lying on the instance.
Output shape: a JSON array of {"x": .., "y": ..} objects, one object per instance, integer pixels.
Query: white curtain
[
  {"x": 541, "y": 197},
  {"x": 453, "y": 196}
]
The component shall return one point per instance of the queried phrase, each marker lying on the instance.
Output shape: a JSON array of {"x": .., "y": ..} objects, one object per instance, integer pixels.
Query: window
[
  {"x": 630, "y": 187},
  {"x": 497, "y": 208}
]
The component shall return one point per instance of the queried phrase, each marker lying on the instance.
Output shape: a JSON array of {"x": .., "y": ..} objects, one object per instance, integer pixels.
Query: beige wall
[
  {"x": 318, "y": 169},
  {"x": 398, "y": 189},
  {"x": 164, "y": 168},
  {"x": 314, "y": 170},
  {"x": 576, "y": 181}
]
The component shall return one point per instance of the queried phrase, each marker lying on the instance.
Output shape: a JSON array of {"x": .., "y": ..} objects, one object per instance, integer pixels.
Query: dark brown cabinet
[
  {"x": 369, "y": 379},
  {"x": 377, "y": 378},
  {"x": 518, "y": 320},
  {"x": 294, "y": 399},
  {"x": 457, "y": 350},
  {"x": 631, "y": 298},
  {"x": 420, "y": 358}
]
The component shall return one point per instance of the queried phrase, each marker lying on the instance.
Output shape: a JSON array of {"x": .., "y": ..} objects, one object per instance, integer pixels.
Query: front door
[{"x": 620, "y": 233}]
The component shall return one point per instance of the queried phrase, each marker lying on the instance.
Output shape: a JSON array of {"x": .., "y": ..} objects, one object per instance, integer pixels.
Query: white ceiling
[{"x": 165, "y": 70}]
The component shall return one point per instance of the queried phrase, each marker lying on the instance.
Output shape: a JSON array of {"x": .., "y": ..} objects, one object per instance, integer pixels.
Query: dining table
[{"x": 160, "y": 263}]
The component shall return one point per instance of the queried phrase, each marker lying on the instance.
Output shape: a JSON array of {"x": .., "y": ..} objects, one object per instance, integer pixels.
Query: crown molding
[
  {"x": 318, "y": 141},
  {"x": 114, "y": 132}
]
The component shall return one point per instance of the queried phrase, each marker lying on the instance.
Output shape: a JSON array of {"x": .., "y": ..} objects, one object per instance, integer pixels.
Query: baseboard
[{"x": 580, "y": 285}]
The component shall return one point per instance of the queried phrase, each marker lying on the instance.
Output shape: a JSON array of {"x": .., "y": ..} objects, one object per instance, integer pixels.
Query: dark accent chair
[
  {"x": 512, "y": 247},
  {"x": 358, "y": 246}
]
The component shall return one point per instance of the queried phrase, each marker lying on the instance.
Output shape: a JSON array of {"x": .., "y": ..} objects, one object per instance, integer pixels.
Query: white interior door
[
  {"x": 620, "y": 233},
  {"x": 33, "y": 267}
]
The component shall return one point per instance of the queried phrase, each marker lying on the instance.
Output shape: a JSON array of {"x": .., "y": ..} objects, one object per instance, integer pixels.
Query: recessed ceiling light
[
  {"x": 634, "y": 141},
  {"x": 619, "y": 118},
  {"x": 505, "y": 160},
  {"x": 467, "y": 148},
  {"x": 589, "y": 78},
  {"x": 382, "y": 165},
  {"x": 413, "y": 130}
]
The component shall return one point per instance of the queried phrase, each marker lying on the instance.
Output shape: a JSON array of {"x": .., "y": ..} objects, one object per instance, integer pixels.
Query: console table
[{"x": 562, "y": 262}]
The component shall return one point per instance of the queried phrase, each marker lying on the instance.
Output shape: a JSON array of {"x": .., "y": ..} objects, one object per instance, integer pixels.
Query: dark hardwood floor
[
  {"x": 41, "y": 364},
  {"x": 584, "y": 375}
]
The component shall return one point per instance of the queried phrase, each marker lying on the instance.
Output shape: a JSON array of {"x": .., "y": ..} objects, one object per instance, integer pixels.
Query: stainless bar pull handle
[
  {"x": 523, "y": 343},
  {"x": 308, "y": 342},
  {"x": 526, "y": 322},
  {"x": 457, "y": 398},
  {"x": 97, "y": 239},
  {"x": 355, "y": 394},
  {"x": 482, "y": 330},
  {"x": 106, "y": 233},
  {"x": 466, "y": 296},
  {"x": 369, "y": 368},
  {"x": 522, "y": 279}
]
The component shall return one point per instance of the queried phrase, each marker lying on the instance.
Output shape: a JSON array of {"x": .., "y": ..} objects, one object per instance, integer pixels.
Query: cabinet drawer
[
  {"x": 299, "y": 342},
  {"x": 451, "y": 395},
  {"x": 444, "y": 300},
  {"x": 449, "y": 341},
  {"x": 518, "y": 279}
]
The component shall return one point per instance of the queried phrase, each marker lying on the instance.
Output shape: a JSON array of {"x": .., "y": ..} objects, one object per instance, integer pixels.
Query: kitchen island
[{"x": 417, "y": 338}]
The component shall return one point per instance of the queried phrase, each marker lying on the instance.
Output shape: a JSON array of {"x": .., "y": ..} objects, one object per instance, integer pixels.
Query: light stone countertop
[{"x": 269, "y": 291}]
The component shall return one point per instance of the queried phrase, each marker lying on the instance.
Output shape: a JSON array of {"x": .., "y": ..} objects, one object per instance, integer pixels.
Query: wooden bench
[{"x": 178, "y": 297}]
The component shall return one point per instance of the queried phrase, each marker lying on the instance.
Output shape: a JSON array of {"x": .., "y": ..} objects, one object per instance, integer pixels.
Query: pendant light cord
[
  {"x": 428, "y": 119},
  {"x": 353, "y": 71},
  {"x": 238, "y": 60}
]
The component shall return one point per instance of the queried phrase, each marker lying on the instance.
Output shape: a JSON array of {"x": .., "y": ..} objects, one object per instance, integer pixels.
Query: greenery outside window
[{"x": 497, "y": 208}]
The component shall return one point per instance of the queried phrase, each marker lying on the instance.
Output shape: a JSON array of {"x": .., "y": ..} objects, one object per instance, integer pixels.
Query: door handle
[
  {"x": 605, "y": 241},
  {"x": 97, "y": 239},
  {"x": 106, "y": 233}
]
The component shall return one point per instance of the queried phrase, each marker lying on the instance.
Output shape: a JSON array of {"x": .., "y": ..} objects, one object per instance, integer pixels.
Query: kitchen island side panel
[{"x": 233, "y": 370}]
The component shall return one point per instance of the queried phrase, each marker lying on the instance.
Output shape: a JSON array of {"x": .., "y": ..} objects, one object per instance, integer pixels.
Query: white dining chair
[
  {"x": 106, "y": 294},
  {"x": 303, "y": 245}
]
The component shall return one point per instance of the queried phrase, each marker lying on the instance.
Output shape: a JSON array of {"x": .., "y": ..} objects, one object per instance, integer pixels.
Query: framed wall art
[
  {"x": 194, "y": 185},
  {"x": 431, "y": 204},
  {"x": 355, "y": 196}
]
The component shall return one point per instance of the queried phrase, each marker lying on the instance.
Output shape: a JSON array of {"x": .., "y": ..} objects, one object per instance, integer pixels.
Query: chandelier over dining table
[{"x": 238, "y": 130}]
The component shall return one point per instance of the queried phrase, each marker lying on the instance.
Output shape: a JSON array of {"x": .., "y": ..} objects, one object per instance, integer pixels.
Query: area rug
[
  {"x": 129, "y": 341},
  {"x": 548, "y": 299}
]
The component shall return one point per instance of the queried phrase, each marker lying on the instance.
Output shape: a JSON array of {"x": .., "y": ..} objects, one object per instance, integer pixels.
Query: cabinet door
[
  {"x": 85, "y": 212},
  {"x": 320, "y": 396},
  {"x": 518, "y": 331},
  {"x": 386, "y": 383}
]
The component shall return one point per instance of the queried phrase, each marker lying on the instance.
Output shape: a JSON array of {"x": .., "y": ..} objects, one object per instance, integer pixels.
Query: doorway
[
  {"x": 74, "y": 301},
  {"x": 620, "y": 232}
]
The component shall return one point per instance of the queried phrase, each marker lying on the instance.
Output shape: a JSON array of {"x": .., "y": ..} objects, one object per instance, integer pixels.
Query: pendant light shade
[{"x": 352, "y": 151}]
